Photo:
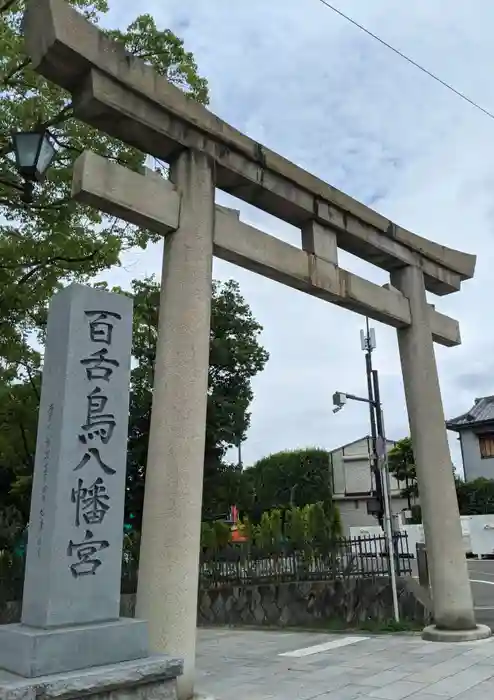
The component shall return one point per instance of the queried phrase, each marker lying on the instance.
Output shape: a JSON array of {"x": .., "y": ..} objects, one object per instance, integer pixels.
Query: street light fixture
[
  {"x": 339, "y": 400},
  {"x": 34, "y": 152}
]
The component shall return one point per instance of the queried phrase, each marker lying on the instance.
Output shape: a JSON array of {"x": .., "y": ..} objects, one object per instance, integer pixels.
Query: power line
[{"x": 408, "y": 59}]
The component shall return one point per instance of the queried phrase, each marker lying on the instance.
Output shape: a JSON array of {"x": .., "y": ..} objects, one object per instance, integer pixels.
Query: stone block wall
[{"x": 350, "y": 602}]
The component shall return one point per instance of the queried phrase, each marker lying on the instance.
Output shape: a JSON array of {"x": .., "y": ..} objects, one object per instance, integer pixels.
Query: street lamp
[
  {"x": 34, "y": 152},
  {"x": 368, "y": 343},
  {"x": 339, "y": 401}
]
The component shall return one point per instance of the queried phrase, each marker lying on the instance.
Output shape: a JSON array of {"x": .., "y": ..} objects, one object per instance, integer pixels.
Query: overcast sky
[{"x": 307, "y": 84}]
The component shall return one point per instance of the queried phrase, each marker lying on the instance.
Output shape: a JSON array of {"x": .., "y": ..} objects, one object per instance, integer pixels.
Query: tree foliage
[
  {"x": 56, "y": 240},
  {"x": 475, "y": 497},
  {"x": 291, "y": 478},
  {"x": 401, "y": 463},
  {"x": 236, "y": 356},
  {"x": 401, "y": 460},
  {"x": 308, "y": 530},
  {"x": 18, "y": 425},
  {"x": 296, "y": 527}
]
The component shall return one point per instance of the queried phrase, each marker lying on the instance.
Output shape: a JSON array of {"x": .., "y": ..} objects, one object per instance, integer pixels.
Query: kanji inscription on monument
[{"x": 76, "y": 527}]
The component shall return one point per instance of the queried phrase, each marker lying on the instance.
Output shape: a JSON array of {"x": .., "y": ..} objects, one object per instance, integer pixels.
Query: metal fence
[{"x": 363, "y": 557}]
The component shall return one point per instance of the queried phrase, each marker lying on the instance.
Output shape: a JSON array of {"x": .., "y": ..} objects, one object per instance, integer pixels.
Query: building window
[{"x": 486, "y": 442}]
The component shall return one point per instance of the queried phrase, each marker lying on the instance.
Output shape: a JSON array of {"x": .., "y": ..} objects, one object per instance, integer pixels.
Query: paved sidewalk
[{"x": 268, "y": 665}]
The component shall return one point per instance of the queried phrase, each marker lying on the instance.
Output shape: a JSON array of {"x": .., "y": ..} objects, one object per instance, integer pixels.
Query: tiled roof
[
  {"x": 481, "y": 412},
  {"x": 354, "y": 442}
]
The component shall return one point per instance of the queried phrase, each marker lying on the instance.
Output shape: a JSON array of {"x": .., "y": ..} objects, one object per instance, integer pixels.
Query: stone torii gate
[{"x": 125, "y": 98}]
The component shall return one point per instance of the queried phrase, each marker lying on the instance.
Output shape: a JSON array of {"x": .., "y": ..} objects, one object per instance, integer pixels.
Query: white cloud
[{"x": 307, "y": 84}]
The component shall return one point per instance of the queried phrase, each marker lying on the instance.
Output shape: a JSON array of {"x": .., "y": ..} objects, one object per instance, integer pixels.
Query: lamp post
[
  {"x": 368, "y": 344},
  {"x": 34, "y": 152},
  {"x": 339, "y": 401}
]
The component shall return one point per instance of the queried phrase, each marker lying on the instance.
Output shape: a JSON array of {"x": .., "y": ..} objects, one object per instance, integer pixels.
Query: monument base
[
  {"x": 153, "y": 678},
  {"x": 434, "y": 634},
  {"x": 32, "y": 652}
]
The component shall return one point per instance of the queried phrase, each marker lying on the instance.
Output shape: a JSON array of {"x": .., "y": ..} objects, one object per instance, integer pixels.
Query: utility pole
[
  {"x": 339, "y": 401},
  {"x": 383, "y": 456},
  {"x": 368, "y": 343}
]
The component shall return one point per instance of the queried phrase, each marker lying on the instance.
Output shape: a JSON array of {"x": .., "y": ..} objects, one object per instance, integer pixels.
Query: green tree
[
  {"x": 276, "y": 525},
  {"x": 232, "y": 364},
  {"x": 264, "y": 538},
  {"x": 222, "y": 534},
  {"x": 317, "y": 528},
  {"x": 291, "y": 478},
  {"x": 336, "y": 524},
  {"x": 296, "y": 528},
  {"x": 322, "y": 528},
  {"x": 401, "y": 463},
  {"x": 475, "y": 497},
  {"x": 247, "y": 530},
  {"x": 56, "y": 240},
  {"x": 235, "y": 357},
  {"x": 207, "y": 537},
  {"x": 18, "y": 424}
]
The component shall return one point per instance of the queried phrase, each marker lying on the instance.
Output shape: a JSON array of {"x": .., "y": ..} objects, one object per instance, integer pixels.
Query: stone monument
[{"x": 70, "y": 613}]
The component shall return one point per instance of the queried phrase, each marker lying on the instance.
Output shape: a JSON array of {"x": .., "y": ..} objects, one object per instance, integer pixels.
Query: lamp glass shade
[
  {"x": 45, "y": 156},
  {"x": 34, "y": 152}
]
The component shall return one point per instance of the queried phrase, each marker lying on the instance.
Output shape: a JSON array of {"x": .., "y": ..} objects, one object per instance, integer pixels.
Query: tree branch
[
  {"x": 31, "y": 380},
  {"x": 78, "y": 149},
  {"x": 65, "y": 146},
  {"x": 55, "y": 261},
  {"x": 151, "y": 54},
  {"x": 29, "y": 454},
  {"x": 52, "y": 205},
  {"x": 37, "y": 207},
  {"x": 9, "y": 183},
  {"x": 7, "y": 78},
  {"x": 57, "y": 119}
]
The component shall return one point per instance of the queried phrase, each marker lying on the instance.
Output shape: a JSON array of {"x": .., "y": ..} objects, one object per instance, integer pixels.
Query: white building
[
  {"x": 354, "y": 484},
  {"x": 476, "y": 434}
]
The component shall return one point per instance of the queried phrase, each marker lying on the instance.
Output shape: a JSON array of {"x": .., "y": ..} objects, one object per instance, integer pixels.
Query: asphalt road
[{"x": 482, "y": 582}]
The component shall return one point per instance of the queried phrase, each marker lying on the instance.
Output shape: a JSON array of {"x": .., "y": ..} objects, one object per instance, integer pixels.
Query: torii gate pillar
[
  {"x": 169, "y": 567},
  {"x": 453, "y": 606}
]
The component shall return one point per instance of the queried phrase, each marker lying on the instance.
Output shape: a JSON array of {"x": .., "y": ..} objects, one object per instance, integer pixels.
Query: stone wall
[{"x": 350, "y": 602}]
